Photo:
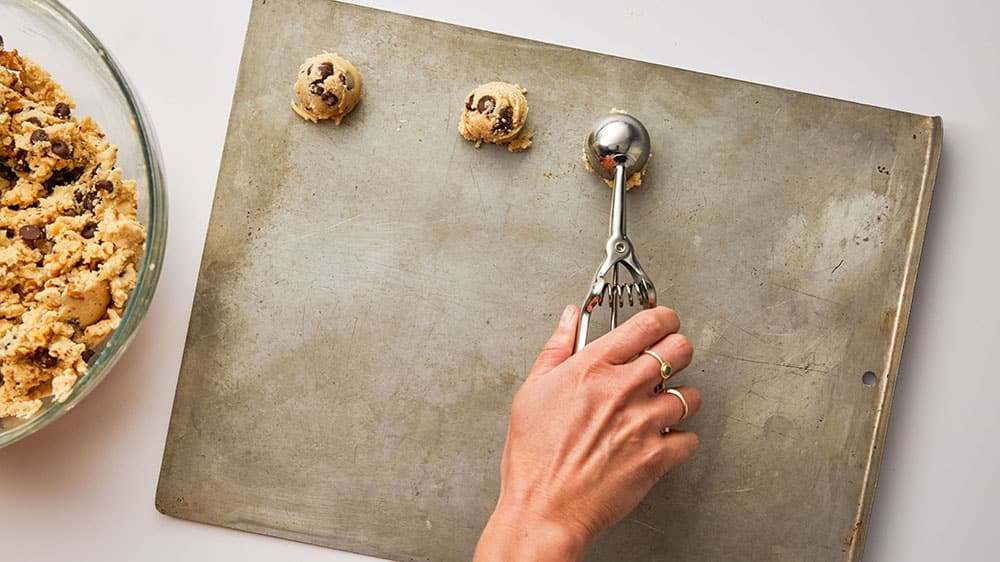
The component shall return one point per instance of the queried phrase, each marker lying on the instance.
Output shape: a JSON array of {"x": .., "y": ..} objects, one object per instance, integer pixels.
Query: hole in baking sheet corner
[{"x": 869, "y": 378}]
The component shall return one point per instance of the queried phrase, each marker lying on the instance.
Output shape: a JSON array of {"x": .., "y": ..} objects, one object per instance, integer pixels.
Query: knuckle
[
  {"x": 552, "y": 347},
  {"x": 649, "y": 322},
  {"x": 671, "y": 318},
  {"x": 683, "y": 347},
  {"x": 654, "y": 462},
  {"x": 622, "y": 347},
  {"x": 680, "y": 450},
  {"x": 591, "y": 370},
  {"x": 666, "y": 460},
  {"x": 685, "y": 449},
  {"x": 693, "y": 396},
  {"x": 695, "y": 441}
]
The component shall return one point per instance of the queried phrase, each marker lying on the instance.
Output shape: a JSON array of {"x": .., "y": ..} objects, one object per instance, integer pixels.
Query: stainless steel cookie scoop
[{"x": 617, "y": 147}]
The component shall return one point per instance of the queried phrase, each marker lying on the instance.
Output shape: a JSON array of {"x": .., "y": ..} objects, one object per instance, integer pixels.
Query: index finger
[{"x": 638, "y": 333}]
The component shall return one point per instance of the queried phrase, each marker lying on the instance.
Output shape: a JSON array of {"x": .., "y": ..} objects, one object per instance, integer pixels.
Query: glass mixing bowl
[{"x": 48, "y": 33}]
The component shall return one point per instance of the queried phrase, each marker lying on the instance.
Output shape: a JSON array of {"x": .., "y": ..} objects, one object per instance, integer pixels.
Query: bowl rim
[{"x": 155, "y": 246}]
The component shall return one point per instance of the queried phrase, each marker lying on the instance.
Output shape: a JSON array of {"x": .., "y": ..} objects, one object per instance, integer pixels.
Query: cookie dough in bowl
[
  {"x": 69, "y": 239},
  {"x": 328, "y": 87},
  {"x": 82, "y": 215},
  {"x": 495, "y": 113}
]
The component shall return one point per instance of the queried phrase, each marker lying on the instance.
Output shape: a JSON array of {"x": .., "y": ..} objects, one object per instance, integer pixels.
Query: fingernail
[{"x": 566, "y": 315}]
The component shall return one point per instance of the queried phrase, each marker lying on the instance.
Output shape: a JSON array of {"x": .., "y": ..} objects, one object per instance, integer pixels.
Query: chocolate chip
[
  {"x": 31, "y": 232},
  {"x": 7, "y": 174},
  {"x": 86, "y": 354},
  {"x": 330, "y": 98},
  {"x": 21, "y": 162},
  {"x": 43, "y": 359},
  {"x": 348, "y": 79},
  {"x": 34, "y": 121},
  {"x": 90, "y": 201},
  {"x": 62, "y": 110},
  {"x": 316, "y": 90},
  {"x": 89, "y": 230},
  {"x": 468, "y": 104},
  {"x": 104, "y": 185},
  {"x": 61, "y": 149},
  {"x": 64, "y": 177},
  {"x": 325, "y": 69},
  {"x": 39, "y": 136},
  {"x": 310, "y": 69},
  {"x": 94, "y": 171},
  {"x": 486, "y": 104},
  {"x": 506, "y": 120}
]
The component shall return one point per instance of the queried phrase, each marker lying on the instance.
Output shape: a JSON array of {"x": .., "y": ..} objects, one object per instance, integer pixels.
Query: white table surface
[{"x": 82, "y": 489}]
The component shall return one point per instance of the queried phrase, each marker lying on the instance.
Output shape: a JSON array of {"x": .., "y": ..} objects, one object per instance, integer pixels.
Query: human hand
[{"x": 584, "y": 445}]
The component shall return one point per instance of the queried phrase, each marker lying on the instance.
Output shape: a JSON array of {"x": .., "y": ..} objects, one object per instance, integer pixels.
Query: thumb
[{"x": 560, "y": 345}]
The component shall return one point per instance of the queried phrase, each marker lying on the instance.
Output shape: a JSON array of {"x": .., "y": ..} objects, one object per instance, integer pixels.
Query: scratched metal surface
[{"x": 372, "y": 294}]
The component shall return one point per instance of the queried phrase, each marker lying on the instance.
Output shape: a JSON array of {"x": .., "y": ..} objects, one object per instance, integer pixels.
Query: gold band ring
[
  {"x": 666, "y": 371},
  {"x": 683, "y": 400}
]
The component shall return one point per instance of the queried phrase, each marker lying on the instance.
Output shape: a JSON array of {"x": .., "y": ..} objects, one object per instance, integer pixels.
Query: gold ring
[
  {"x": 666, "y": 371},
  {"x": 683, "y": 400}
]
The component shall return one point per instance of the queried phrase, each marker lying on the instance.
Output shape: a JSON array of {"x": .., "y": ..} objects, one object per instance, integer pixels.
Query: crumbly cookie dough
[
  {"x": 69, "y": 239},
  {"x": 495, "y": 113},
  {"x": 328, "y": 87},
  {"x": 634, "y": 179}
]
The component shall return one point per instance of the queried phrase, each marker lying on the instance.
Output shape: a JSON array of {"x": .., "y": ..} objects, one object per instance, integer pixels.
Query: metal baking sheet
[{"x": 371, "y": 295}]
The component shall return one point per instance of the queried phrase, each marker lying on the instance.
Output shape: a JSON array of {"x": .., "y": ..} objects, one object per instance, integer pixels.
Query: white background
[{"x": 82, "y": 489}]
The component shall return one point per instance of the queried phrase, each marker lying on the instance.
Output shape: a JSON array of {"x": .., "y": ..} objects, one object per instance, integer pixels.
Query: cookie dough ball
[
  {"x": 328, "y": 87},
  {"x": 495, "y": 113}
]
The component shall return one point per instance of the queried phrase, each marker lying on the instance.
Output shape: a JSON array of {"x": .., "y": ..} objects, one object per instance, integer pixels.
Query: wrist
[{"x": 518, "y": 534}]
